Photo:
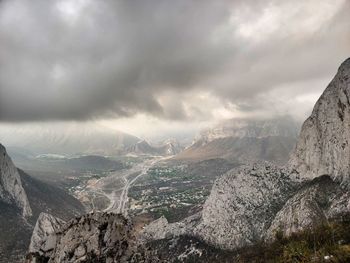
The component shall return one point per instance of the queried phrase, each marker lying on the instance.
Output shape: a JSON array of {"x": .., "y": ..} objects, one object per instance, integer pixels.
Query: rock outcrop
[
  {"x": 43, "y": 239},
  {"x": 324, "y": 143},
  {"x": 314, "y": 203},
  {"x": 94, "y": 237},
  {"x": 243, "y": 203},
  {"x": 11, "y": 189},
  {"x": 22, "y": 199},
  {"x": 252, "y": 203}
]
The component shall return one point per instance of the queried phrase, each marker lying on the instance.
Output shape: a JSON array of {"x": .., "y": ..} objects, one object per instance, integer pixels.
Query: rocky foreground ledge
[{"x": 94, "y": 237}]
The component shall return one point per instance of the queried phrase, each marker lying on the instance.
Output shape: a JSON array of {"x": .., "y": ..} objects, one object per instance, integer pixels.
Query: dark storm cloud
[{"x": 95, "y": 59}]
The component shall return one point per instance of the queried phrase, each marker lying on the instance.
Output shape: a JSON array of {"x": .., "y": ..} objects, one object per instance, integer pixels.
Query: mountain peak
[
  {"x": 324, "y": 146},
  {"x": 345, "y": 65},
  {"x": 11, "y": 189}
]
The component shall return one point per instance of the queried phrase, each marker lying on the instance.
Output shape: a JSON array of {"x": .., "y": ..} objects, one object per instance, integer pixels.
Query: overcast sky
[{"x": 149, "y": 67}]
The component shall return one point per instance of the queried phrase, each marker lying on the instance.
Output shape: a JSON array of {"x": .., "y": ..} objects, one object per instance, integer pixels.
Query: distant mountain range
[
  {"x": 168, "y": 148},
  {"x": 246, "y": 140},
  {"x": 71, "y": 139},
  {"x": 59, "y": 163}
]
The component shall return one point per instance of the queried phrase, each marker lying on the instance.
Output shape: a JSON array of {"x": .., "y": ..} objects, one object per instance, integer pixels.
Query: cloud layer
[{"x": 174, "y": 60}]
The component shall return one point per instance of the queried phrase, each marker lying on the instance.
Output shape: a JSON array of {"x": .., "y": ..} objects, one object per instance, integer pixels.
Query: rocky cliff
[
  {"x": 22, "y": 199},
  {"x": 243, "y": 203},
  {"x": 95, "y": 237},
  {"x": 11, "y": 189},
  {"x": 252, "y": 203},
  {"x": 324, "y": 143},
  {"x": 43, "y": 239}
]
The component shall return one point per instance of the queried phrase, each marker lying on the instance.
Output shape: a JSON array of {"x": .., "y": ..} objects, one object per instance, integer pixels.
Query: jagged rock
[
  {"x": 22, "y": 199},
  {"x": 94, "y": 237},
  {"x": 243, "y": 203},
  {"x": 340, "y": 205},
  {"x": 161, "y": 228},
  {"x": 100, "y": 237},
  {"x": 309, "y": 206},
  {"x": 253, "y": 202},
  {"x": 43, "y": 239},
  {"x": 324, "y": 143},
  {"x": 11, "y": 189}
]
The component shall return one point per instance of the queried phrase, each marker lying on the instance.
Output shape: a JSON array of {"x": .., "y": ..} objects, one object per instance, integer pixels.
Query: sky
[{"x": 166, "y": 68}]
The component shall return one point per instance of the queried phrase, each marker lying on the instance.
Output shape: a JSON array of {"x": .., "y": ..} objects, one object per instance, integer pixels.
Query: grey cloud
[{"x": 118, "y": 57}]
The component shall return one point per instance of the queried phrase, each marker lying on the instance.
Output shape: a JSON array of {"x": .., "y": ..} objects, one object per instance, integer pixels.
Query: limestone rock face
[
  {"x": 324, "y": 142},
  {"x": 251, "y": 203},
  {"x": 312, "y": 204},
  {"x": 11, "y": 189},
  {"x": 160, "y": 228},
  {"x": 43, "y": 239},
  {"x": 242, "y": 204},
  {"x": 95, "y": 237}
]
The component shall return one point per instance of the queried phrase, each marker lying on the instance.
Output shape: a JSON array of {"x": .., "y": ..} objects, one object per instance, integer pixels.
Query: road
[{"x": 119, "y": 196}]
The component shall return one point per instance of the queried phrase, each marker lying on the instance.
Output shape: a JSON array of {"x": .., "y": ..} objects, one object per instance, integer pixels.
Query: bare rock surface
[
  {"x": 243, "y": 203},
  {"x": 251, "y": 203},
  {"x": 312, "y": 204},
  {"x": 11, "y": 189},
  {"x": 323, "y": 146},
  {"x": 94, "y": 237},
  {"x": 43, "y": 239}
]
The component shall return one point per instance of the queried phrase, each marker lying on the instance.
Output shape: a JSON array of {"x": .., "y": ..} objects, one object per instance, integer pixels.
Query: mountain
[
  {"x": 324, "y": 142},
  {"x": 11, "y": 189},
  {"x": 246, "y": 140},
  {"x": 252, "y": 203},
  {"x": 168, "y": 148},
  {"x": 22, "y": 199},
  {"x": 67, "y": 139}
]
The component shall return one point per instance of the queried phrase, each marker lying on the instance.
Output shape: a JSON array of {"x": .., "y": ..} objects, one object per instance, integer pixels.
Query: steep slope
[
  {"x": 21, "y": 201},
  {"x": 324, "y": 142},
  {"x": 311, "y": 205},
  {"x": 168, "y": 148},
  {"x": 242, "y": 204},
  {"x": 252, "y": 203},
  {"x": 43, "y": 239},
  {"x": 246, "y": 140},
  {"x": 48, "y": 198},
  {"x": 11, "y": 189},
  {"x": 143, "y": 148}
]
